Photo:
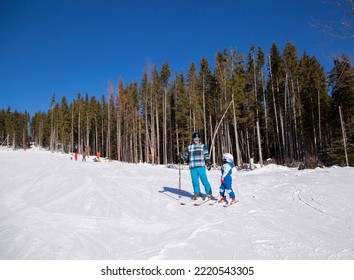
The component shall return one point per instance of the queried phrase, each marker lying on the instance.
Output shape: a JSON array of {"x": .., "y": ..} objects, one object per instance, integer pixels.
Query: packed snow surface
[{"x": 52, "y": 207}]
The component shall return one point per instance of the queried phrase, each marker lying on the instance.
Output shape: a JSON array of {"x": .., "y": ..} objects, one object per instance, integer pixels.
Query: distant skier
[
  {"x": 198, "y": 157},
  {"x": 84, "y": 156},
  {"x": 75, "y": 153},
  {"x": 98, "y": 155},
  {"x": 226, "y": 179}
]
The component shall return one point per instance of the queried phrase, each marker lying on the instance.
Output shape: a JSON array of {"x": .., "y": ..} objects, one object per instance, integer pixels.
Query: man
[{"x": 198, "y": 157}]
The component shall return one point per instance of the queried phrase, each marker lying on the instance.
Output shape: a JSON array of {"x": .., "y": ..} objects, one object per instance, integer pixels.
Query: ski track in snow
[{"x": 52, "y": 207}]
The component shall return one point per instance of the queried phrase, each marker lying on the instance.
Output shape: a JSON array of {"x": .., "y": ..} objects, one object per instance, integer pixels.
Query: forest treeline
[{"x": 256, "y": 106}]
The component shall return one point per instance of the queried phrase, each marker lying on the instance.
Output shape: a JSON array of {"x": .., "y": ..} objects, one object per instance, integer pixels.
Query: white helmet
[{"x": 227, "y": 157}]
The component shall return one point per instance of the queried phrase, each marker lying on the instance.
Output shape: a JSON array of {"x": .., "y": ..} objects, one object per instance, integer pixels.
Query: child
[{"x": 226, "y": 179}]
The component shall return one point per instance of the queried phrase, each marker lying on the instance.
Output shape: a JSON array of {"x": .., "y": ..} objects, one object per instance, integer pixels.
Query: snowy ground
[{"x": 52, "y": 207}]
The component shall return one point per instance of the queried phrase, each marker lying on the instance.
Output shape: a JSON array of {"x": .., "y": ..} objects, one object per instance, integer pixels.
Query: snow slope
[{"x": 52, "y": 207}]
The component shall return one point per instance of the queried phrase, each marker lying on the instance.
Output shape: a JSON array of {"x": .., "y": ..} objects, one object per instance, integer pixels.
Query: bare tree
[{"x": 342, "y": 25}]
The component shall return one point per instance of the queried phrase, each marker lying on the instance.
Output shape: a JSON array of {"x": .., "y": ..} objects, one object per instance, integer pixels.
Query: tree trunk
[
  {"x": 165, "y": 127},
  {"x": 157, "y": 135},
  {"x": 72, "y": 129},
  {"x": 153, "y": 135},
  {"x": 344, "y": 136},
  {"x": 79, "y": 133},
  {"x": 238, "y": 152},
  {"x": 275, "y": 110},
  {"x": 257, "y": 115},
  {"x": 265, "y": 115},
  {"x": 204, "y": 114},
  {"x": 87, "y": 136}
]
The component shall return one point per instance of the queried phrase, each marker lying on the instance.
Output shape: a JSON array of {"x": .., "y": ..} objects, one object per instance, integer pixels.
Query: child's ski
[{"x": 230, "y": 203}]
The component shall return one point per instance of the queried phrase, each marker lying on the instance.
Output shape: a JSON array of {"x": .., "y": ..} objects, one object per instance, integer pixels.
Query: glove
[
  {"x": 208, "y": 164},
  {"x": 222, "y": 180}
]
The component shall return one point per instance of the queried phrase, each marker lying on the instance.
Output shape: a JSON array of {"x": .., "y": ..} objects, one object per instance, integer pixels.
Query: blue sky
[{"x": 65, "y": 47}]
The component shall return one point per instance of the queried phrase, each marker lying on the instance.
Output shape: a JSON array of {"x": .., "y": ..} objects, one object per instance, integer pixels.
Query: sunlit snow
[{"x": 52, "y": 207}]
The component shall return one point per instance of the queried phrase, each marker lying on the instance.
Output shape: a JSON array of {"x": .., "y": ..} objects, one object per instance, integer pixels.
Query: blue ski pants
[
  {"x": 200, "y": 173},
  {"x": 227, "y": 187}
]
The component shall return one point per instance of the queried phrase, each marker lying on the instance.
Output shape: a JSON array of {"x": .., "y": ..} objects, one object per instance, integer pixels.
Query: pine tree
[
  {"x": 274, "y": 64},
  {"x": 341, "y": 83},
  {"x": 290, "y": 69},
  {"x": 262, "y": 96},
  {"x": 204, "y": 80},
  {"x": 165, "y": 75},
  {"x": 156, "y": 94},
  {"x": 237, "y": 108},
  {"x": 64, "y": 124},
  {"x": 312, "y": 86},
  {"x": 236, "y": 87},
  {"x": 183, "y": 130},
  {"x": 145, "y": 97}
]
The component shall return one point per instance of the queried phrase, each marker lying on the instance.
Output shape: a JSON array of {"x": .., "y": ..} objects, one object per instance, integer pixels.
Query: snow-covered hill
[{"x": 52, "y": 207}]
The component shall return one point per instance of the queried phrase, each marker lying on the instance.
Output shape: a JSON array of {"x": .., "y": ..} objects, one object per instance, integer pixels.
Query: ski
[
  {"x": 208, "y": 199},
  {"x": 192, "y": 201},
  {"x": 198, "y": 203},
  {"x": 219, "y": 203},
  {"x": 229, "y": 204},
  {"x": 215, "y": 201}
]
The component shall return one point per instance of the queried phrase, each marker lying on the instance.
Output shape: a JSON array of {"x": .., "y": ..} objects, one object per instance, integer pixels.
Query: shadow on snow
[{"x": 172, "y": 192}]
